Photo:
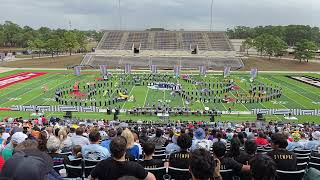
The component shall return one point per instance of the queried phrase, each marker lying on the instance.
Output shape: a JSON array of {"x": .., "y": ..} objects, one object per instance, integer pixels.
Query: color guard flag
[
  {"x": 103, "y": 69},
  {"x": 127, "y": 69},
  {"x": 202, "y": 70},
  {"x": 176, "y": 70},
  {"x": 77, "y": 70},
  {"x": 153, "y": 69},
  {"x": 254, "y": 73},
  {"x": 226, "y": 71}
]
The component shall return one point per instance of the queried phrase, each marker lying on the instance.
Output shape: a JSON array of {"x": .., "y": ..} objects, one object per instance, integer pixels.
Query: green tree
[
  {"x": 281, "y": 47},
  {"x": 50, "y": 46},
  {"x": 31, "y": 46},
  {"x": 305, "y": 50},
  {"x": 247, "y": 44},
  {"x": 71, "y": 42},
  {"x": 259, "y": 43},
  {"x": 81, "y": 39},
  {"x": 10, "y": 30},
  {"x": 2, "y": 38},
  {"x": 39, "y": 45}
]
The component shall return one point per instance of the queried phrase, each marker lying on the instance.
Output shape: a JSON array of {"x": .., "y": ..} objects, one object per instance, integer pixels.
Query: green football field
[{"x": 296, "y": 95}]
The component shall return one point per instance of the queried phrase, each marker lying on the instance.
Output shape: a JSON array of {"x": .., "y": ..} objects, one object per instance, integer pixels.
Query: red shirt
[
  {"x": 1, "y": 162},
  {"x": 261, "y": 141}
]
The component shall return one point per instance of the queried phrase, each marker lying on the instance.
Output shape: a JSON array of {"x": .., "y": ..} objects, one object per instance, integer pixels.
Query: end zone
[{"x": 16, "y": 78}]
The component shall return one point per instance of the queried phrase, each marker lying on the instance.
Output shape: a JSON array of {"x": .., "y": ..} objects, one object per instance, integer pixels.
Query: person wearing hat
[
  {"x": 200, "y": 141},
  {"x": 295, "y": 144},
  {"x": 312, "y": 145},
  {"x": 16, "y": 139}
]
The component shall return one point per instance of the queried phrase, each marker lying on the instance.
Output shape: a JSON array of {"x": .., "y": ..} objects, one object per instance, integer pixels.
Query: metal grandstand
[{"x": 165, "y": 49}]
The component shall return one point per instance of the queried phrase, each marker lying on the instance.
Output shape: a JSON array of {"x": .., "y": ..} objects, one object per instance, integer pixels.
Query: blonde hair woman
[
  {"x": 132, "y": 149},
  {"x": 65, "y": 141}
]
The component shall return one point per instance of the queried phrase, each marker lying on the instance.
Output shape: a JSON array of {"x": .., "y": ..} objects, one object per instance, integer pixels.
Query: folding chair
[
  {"x": 179, "y": 174},
  {"x": 290, "y": 175},
  {"x": 158, "y": 172},
  {"x": 227, "y": 173}
]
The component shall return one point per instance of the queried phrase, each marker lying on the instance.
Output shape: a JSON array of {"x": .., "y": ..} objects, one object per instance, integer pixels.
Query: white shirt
[{"x": 79, "y": 140}]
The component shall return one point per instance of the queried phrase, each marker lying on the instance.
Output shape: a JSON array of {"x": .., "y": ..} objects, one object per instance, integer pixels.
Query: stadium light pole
[{"x": 211, "y": 14}]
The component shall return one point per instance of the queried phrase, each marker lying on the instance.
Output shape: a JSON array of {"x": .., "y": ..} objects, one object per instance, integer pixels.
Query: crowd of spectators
[{"x": 32, "y": 149}]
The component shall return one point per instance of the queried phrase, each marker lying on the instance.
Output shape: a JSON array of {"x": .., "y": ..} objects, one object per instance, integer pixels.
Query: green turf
[{"x": 295, "y": 94}]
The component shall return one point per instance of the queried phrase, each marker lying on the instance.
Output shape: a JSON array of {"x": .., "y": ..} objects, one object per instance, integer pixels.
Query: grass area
[
  {"x": 48, "y": 62},
  {"x": 296, "y": 95}
]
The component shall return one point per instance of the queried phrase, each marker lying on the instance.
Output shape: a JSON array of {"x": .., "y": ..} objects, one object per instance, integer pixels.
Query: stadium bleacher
[{"x": 165, "y": 49}]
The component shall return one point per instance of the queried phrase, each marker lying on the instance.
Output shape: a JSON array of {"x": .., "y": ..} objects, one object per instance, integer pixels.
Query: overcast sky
[{"x": 170, "y": 14}]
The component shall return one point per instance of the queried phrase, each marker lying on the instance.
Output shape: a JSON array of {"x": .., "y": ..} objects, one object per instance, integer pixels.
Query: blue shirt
[
  {"x": 171, "y": 148},
  {"x": 95, "y": 152},
  {"x": 106, "y": 144},
  {"x": 312, "y": 145},
  {"x": 293, "y": 145},
  {"x": 134, "y": 151}
]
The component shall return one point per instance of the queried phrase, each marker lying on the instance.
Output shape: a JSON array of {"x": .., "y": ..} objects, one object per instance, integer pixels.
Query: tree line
[
  {"x": 44, "y": 39},
  {"x": 274, "y": 40}
]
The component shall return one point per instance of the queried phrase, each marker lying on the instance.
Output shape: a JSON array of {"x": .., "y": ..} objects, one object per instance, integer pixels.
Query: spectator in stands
[
  {"x": 117, "y": 166},
  {"x": 148, "y": 161},
  {"x": 212, "y": 135},
  {"x": 295, "y": 144},
  {"x": 42, "y": 141},
  {"x": 158, "y": 140},
  {"x": 303, "y": 141},
  {"x": 173, "y": 146},
  {"x": 250, "y": 149},
  {"x": 263, "y": 168},
  {"x": 312, "y": 145},
  {"x": 28, "y": 162},
  {"x": 202, "y": 165},
  {"x": 234, "y": 151},
  {"x": 242, "y": 139},
  {"x": 132, "y": 149},
  {"x": 111, "y": 134},
  {"x": 94, "y": 151},
  {"x": 65, "y": 141},
  {"x": 200, "y": 141},
  {"x": 79, "y": 139},
  {"x": 219, "y": 138},
  {"x": 181, "y": 159},
  {"x": 53, "y": 146},
  {"x": 261, "y": 139},
  {"x": 219, "y": 150},
  {"x": 16, "y": 139},
  {"x": 284, "y": 159},
  {"x": 76, "y": 152},
  {"x": 136, "y": 142},
  {"x": 143, "y": 136}
]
